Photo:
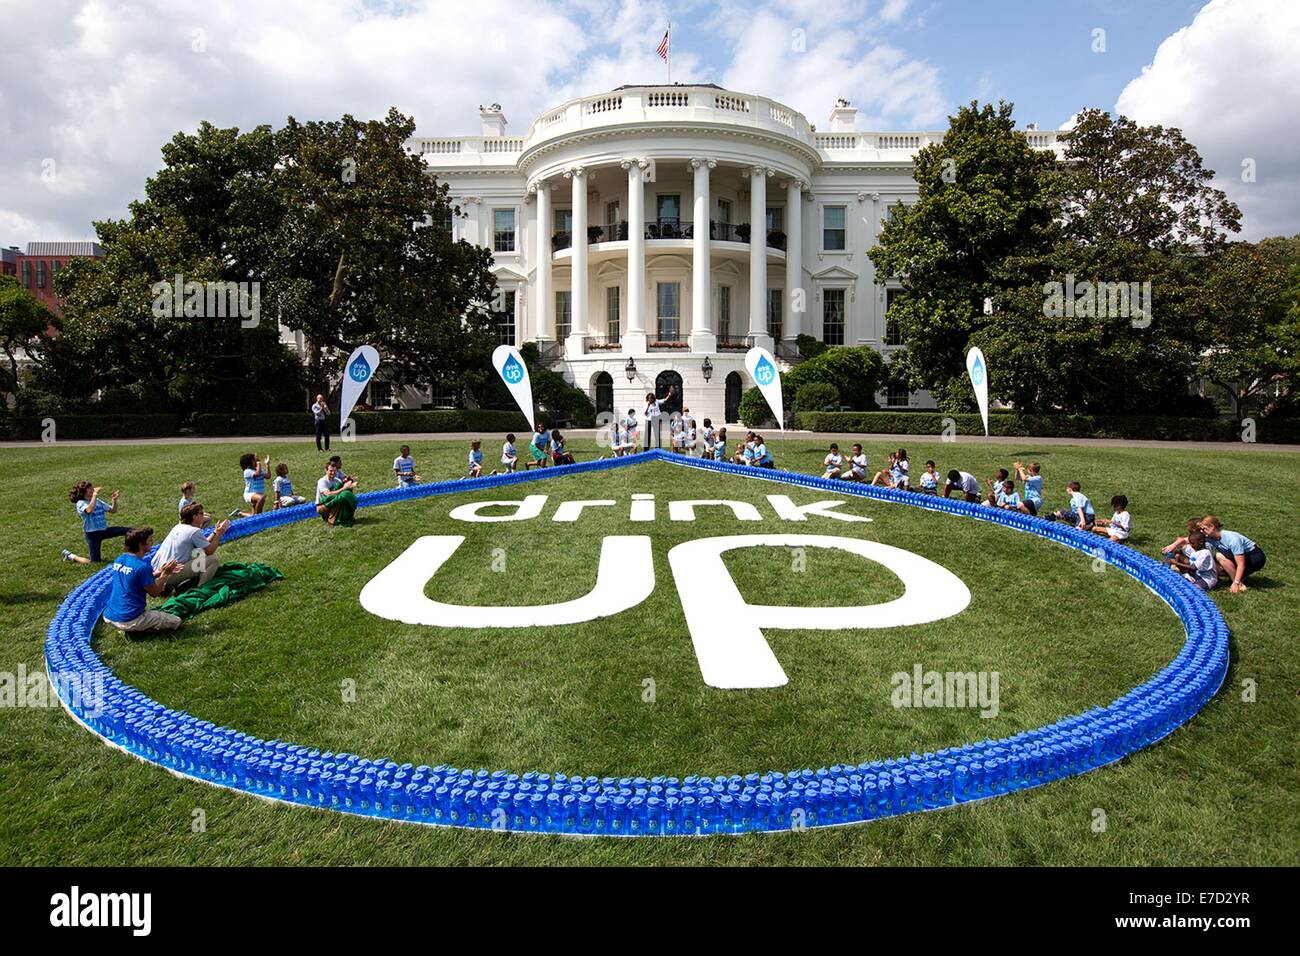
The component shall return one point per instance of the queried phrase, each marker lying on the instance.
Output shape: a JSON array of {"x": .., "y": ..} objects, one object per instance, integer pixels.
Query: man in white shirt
[
  {"x": 186, "y": 543},
  {"x": 320, "y": 412},
  {"x": 965, "y": 482}
]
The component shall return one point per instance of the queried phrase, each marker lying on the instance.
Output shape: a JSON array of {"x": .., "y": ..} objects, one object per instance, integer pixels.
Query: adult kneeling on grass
[
  {"x": 133, "y": 580},
  {"x": 336, "y": 501},
  {"x": 187, "y": 544},
  {"x": 1236, "y": 555}
]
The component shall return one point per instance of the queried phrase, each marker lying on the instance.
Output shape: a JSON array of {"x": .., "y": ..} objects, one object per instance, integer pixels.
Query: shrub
[
  {"x": 368, "y": 423},
  {"x": 754, "y": 410},
  {"x": 1124, "y": 427},
  {"x": 809, "y": 346},
  {"x": 817, "y": 397},
  {"x": 854, "y": 371},
  {"x": 92, "y": 426}
]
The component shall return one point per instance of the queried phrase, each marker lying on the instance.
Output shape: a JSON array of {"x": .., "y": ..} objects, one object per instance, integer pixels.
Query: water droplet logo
[
  {"x": 512, "y": 371},
  {"x": 977, "y": 372},
  {"x": 764, "y": 372},
  {"x": 359, "y": 370}
]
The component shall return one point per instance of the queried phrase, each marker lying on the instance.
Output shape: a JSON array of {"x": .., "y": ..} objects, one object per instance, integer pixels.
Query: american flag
[{"x": 662, "y": 49}]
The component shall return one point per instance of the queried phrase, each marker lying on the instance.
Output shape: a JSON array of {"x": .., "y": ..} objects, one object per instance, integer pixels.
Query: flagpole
[{"x": 669, "y": 57}]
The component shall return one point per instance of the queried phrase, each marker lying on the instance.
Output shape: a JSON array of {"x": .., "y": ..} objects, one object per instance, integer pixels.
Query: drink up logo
[
  {"x": 762, "y": 369},
  {"x": 362, "y": 364},
  {"x": 510, "y": 366},
  {"x": 360, "y": 370},
  {"x": 977, "y": 369}
]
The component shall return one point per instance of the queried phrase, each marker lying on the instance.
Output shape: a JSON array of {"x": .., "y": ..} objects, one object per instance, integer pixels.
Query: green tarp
[{"x": 231, "y": 583}]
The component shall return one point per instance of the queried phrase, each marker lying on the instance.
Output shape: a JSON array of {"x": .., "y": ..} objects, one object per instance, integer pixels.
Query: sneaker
[{"x": 67, "y": 555}]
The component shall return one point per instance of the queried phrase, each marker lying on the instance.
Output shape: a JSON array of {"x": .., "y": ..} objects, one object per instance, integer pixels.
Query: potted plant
[
  {"x": 742, "y": 232},
  {"x": 594, "y": 233}
]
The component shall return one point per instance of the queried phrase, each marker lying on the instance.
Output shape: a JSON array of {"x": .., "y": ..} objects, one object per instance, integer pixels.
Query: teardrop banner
[
  {"x": 762, "y": 369},
  {"x": 978, "y": 370},
  {"x": 510, "y": 366},
  {"x": 361, "y": 367}
]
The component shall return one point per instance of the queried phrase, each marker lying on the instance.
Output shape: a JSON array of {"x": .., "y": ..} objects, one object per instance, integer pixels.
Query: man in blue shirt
[{"x": 133, "y": 579}]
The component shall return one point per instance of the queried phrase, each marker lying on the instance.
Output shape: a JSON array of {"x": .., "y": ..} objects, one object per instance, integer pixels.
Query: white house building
[{"x": 650, "y": 235}]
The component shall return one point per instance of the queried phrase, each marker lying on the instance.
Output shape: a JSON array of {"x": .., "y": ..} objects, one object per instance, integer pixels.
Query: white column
[
  {"x": 758, "y": 256},
  {"x": 634, "y": 336},
  {"x": 578, "y": 177},
  {"x": 702, "y": 338},
  {"x": 796, "y": 298},
  {"x": 545, "y": 305}
]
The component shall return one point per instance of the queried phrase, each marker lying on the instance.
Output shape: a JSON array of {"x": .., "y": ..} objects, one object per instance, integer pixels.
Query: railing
[
  {"x": 613, "y": 233},
  {"x": 668, "y": 228},
  {"x": 610, "y": 342},
  {"x": 550, "y": 353},
  {"x": 668, "y": 338},
  {"x": 730, "y": 343}
]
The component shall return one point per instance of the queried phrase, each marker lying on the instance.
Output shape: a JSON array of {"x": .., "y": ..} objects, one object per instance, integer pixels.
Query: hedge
[
  {"x": 1130, "y": 427},
  {"x": 90, "y": 426},
  {"x": 368, "y": 423}
]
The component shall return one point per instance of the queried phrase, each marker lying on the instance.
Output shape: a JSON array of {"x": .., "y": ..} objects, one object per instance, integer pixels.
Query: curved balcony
[{"x": 661, "y": 231}]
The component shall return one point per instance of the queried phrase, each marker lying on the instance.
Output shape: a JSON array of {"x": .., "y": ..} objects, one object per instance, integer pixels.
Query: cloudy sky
[{"x": 90, "y": 89}]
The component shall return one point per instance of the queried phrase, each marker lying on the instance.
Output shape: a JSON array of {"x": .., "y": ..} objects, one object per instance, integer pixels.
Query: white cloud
[
  {"x": 96, "y": 87},
  {"x": 1230, "y": 81}
]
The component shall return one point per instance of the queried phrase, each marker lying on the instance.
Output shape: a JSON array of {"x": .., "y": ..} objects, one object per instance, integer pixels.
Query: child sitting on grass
[
  {"x": 995, "y": 485},
  {"x": 282, "y": 487},
  {"x": 885, "y": 475},
  {"x": 187, "y": 498},
  {"x": 475, "y": 458},
  {"x": 1007, "y": 497},
  {"x": 900, "y": 475},
  {"x": 857, "y": 470},
  {"x": 930, "y": 479},
  {"x": 509, "y": 454},
  {"x": 1194, "y": 559},
  {"x": 1119, "y": 525},
  {"x": 255, "y": 471},
  {"x": 404, "y": 468},
  {"x": 559, "y": 455},
  {"x": 1032, "y": 500},
  {"x": 1080, "y": 513},
  {"x": 833, "y": 462}
]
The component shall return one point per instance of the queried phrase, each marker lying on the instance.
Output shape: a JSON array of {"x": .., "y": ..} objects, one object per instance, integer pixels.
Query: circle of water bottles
[{"x": 551, "y": 802}]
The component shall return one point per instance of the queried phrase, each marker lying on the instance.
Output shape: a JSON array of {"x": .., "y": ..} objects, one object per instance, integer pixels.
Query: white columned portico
[
  {"x": 545, "y": 306},
  {"x": 796, "y": 297},
  {"x": 633, "y": 335},
  {"x": 758, "y": 256},
  {"x": 702, "y": 338},
  {"x": 577, "y": 175}
]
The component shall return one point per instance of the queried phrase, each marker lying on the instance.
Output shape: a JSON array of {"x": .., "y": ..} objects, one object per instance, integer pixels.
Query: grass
[{"x": 1062, "y": 637}]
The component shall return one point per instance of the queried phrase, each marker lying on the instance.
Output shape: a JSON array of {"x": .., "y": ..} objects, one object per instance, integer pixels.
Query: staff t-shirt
[
  {"x": 92, "y": 519},
  {"x": 179, "y": 545},
  {"x": 1232, "y": 543},
  {"x": 126, "y": 601},
  {"x": 254, "y": 483}
]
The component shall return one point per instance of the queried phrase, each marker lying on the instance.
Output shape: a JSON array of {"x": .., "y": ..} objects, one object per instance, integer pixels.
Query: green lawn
[{"x": 1062, "y": 637}]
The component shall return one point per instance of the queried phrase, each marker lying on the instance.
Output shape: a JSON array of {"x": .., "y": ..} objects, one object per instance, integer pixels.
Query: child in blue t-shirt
[
  {"x": 94, "y": 526},
  {"x": 720, "y": 445},
  {"x": 558, "y": 453},
  {"x": 475, "y": 458},
  {"x": 1007, "y": 496},
  {"x": 255, "y": 471},
  {"x": 282, "y": 487},
  {"x": 404, "y": 468},
  {"x": 133, "y": 578},
  {"x": 1032, "y": 500},
  {"x": 537, "y": 448},
  {"x": 1080, "y": 512}
]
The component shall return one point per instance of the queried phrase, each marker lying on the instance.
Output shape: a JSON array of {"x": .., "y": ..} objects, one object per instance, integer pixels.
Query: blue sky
[{"x": 97, "y": 86}]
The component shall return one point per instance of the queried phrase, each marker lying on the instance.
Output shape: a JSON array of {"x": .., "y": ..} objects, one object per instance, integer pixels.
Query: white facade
[{"x": 667, "y": 180}]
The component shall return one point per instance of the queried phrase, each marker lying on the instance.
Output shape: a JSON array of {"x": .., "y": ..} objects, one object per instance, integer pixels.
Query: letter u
[{"x": 624, "y": 579}]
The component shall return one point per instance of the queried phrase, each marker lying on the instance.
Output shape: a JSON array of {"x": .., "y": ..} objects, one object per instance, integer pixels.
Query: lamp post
[{"x": 630, "y": 369}]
